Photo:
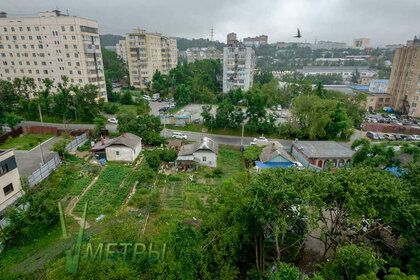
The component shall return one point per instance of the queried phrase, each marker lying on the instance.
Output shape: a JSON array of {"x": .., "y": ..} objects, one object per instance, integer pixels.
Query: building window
[
  {"x": 4, "y": 169},
  {"x": 204, "y": 159},
  {"x": 63, "y": 28},
  {"x": 117, "y": 153},
  {"x": 8, "y": 189}
]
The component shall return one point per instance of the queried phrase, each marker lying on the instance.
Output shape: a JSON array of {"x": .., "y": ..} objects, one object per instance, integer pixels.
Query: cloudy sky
[{"x": 384, "y": 21}]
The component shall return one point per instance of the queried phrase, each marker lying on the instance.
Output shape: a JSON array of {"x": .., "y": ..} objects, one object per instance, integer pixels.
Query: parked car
[
  {"x": 380, "y": 136},
  {"x": 113, "y": 120},
  {"x": 283, "y": 115},
  {"x": 384, "y": 116},
  {"x": 261, "y": 138},
  {"x": 163, "y": 109},
  {"x": 146, "y": 97},
  {"x": 279, "y": 108},
  {"x": 393, "y": 117},
  {"x": 166, "y": 99},
  {"x": 406, "y": 122},
  {"x": 373, "y": 112},
  {"x": 397, "y": 137},
  {"x": 389, "y": 137},
  {"x": 416, "y": 137},
  {"x": 172, "y": 105},
  {"x": 409, "y": 138},
  {"x": 155, "y": 99},
  {"x": 372, "y": 135},
  {"x": 298, "y": 165},
  {"x": 179, "y": 135}
]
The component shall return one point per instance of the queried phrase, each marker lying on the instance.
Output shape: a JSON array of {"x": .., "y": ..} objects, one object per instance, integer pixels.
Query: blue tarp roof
[
  {"x": 273, "y": 164},
  {"x": 385, "y": 81},
  {"x": 396, "y": 171},
  {"x": 359, "y": 87}
]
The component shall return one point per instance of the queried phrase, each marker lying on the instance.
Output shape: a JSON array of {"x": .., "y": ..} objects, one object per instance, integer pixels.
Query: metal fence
[
  {"x": 44, "y": 171},
  {"x": 80, "y": 140}
]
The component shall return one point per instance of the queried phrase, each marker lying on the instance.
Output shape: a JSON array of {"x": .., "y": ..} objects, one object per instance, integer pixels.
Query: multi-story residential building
[
  {"x": 121, "y": 50},
  {"x": 256, "y": 41},
  {"x": 51, "y": 45},
  {"x": 211, "y": 52},
  {"x": 232, "y": 38},
  {"x": 379, "y": 86},
  {"x": 148, "y": 52},
  {"x": 361, "y": 43},
  {"x": 10, "y": 186},
  {"x": 404, "y": 83},
  {"x": 328, "y": 45},
  {"x": 238, "y": 67}
]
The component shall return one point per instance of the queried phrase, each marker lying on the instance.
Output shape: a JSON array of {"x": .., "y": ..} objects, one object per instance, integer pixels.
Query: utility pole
[
  {"x": 242, "y": 138},
  {"x": 40, "y": 116},
  {"x": 212, "y": 34},
  {"x": 42, "y": 155}
]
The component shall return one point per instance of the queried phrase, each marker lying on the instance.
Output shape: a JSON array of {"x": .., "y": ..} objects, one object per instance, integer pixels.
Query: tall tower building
[
  {"x": 121, "y": 49},
  {"x": 404, "y": 84},
  {"x": 232, "y": 38},
  {"x": 148, "y": 52},
  {"x": 238, "y": 67},
  {"x": 51, "y": 45}
]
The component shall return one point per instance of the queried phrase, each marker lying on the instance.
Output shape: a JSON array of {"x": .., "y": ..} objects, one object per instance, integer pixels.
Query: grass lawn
[
  {"x": 122, "y": 108},
  {"x": 230, "y": 161},
  {"x": 25, "y": 141}
]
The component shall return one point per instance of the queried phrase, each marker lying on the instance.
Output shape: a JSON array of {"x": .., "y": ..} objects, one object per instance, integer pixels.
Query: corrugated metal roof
[{"x": 262, "y": 165}]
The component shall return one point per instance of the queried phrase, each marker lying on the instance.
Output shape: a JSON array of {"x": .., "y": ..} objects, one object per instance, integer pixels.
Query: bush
[
  {"x": 217, "y": 172},
  {"x": 169, "y": 155},
  {"x": 85, "y": 147},
  {"x": 173, "y": 178},
  {"x": 111, "y": 108}
]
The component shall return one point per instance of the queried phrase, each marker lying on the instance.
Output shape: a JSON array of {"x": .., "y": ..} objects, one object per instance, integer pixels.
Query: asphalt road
[
  {"x": 29, "y": 161},
  {"x": 220, "y": 139}
]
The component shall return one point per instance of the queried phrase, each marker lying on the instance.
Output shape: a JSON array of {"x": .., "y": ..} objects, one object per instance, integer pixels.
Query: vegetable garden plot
[
  {"x": 174, "y": 195},
  {"x": 106, "y": 190}
]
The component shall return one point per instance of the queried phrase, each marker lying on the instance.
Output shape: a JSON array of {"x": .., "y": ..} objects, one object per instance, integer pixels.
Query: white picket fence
[
  {"x": 80, "y": 140},
  {"x": 44, "y": 171}
]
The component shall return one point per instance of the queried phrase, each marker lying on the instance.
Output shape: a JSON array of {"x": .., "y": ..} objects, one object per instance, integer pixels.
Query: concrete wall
[
  {"x": 9, "y": 177},
  {"x": 124, "y": 153},
  {"x": 211, "y": 158}
]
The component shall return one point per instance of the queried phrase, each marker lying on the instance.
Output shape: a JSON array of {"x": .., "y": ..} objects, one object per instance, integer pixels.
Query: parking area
[{"x": 155, "y": 105}]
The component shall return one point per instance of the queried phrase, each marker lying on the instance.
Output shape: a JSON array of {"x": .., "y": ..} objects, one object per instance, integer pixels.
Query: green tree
[
  {"x": 340, "y": 124},
  {"x": 99, "y": 125},
  {"x": 352, "y": 261},
  {"x": 126, "y": 97}
]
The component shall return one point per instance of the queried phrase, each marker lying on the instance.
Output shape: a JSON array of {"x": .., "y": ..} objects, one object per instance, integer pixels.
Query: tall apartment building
[
  {"x": 238, "y": 67},
  {"x": 231, "y": 38},
  {"x": 51, "y": 45},
  {"x": 404, "y": 83},
  {"x": 256, "y": 41},
  {"x": 10, "y": 186},
  {"x": 121, "y": 49},
  {"x": 211, "y": 52},
  {"x": 148, "y": 52},
  {"x": 361, "y": 43}
]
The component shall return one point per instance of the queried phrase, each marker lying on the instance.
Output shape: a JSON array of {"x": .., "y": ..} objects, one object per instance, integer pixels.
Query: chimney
[
  {"x": 3, "y": 15},
  {"x": 102, "y": 140}
]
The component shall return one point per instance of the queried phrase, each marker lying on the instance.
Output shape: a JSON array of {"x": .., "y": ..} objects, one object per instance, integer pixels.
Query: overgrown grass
[
  {"x": 123, "y": 108},
  {"x": 25, "y": 141},
  {"x": 230, "y": 162}
]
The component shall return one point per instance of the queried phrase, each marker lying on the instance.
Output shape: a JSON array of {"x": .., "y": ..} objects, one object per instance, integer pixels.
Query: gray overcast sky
[{"x": 384, "y": 21}]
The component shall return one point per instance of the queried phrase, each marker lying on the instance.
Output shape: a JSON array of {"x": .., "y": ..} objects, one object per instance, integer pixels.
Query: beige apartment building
[
  {"x": 51, "y": 45},
  {"x": 148, "y": 52},
  {"x": 361, "y": 43},
  {"x": 404, "y": 84},
  {"x": 10, "y": 186},
  {"x": 121, "y": 49}
]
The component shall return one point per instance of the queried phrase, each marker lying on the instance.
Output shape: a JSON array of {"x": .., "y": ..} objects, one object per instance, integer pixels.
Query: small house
[
  {"x": 175, "y": 144},
  {"x": 203, "y": 153},
  {"x": 126, "y": 147},
  {"x": 273, "y": 155},
  {"x": 322, "y": 154}
]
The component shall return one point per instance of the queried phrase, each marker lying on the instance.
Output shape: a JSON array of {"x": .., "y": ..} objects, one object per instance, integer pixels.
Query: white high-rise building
[
  {"x": 238, "y": 67},
  {"x": 51, "y": 45},
  {"x": 121, "y": 50}
]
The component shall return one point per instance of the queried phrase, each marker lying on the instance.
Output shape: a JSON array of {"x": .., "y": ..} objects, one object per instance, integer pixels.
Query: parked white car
[
  {"x": 146, "y": 97},
  {"x": 279, "y": 108},
  {"x": 415, "y": 137},
  {"x": 298, "y": 165},
  {"x": 261, "y": 138},
  {"x": 179, "y": 135},
  {"x": 283, "y": 115},
  {"x": 113, "y": 120}
]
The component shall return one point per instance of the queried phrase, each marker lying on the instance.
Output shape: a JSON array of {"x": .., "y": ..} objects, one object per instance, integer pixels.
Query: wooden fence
[{"x": 14, "y": 133}]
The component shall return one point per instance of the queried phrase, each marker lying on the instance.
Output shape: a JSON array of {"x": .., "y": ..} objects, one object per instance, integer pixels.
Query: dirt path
[
  {"x": 133, "y": 191},
  {"x": 74, "y": 200}
]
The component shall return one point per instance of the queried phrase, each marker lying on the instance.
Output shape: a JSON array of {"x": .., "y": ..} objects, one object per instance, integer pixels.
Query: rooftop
[
  {"x": 273, "y": 149},
  {"x": 323, "y": 149},
  {"x": 127, "y": 139},
  {"x": 382, "y": 81},
  {"x": 262, "y": 165},
  {"x": 205, "y": 144},
  {"x": 3, "y": 152}
]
